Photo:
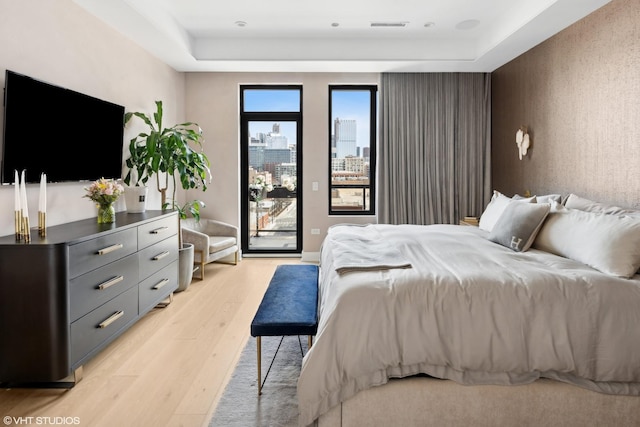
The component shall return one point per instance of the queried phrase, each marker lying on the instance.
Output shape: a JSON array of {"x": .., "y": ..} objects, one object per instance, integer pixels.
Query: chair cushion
[{"x": 219, "y": 243}]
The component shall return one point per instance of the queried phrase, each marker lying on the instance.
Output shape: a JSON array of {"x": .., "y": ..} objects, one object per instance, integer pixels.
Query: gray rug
[{"x": 240, "y": 405}]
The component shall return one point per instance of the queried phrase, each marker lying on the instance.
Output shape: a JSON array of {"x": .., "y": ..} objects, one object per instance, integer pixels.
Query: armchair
[{"x": 212, "y": 240}]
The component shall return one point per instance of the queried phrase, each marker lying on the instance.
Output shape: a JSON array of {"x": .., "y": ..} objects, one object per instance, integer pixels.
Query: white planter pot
[
  {"x": 185, "y": 266},
  {"x": 136, "y": 199}
]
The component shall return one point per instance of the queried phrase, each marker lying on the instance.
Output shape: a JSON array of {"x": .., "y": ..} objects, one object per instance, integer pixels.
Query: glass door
[{"x": 271, "y": 208}]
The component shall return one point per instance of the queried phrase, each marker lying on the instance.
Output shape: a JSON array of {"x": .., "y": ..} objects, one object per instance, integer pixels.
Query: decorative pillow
[
  {"x": 580, "y": 203},
  {"x": 608, "y": 243},
  {"x": 548, "y": 198},
  {"x": 519, "y": 224},
  {"x": 494, "y": 209},
  {"x": 519, "y": 197}
]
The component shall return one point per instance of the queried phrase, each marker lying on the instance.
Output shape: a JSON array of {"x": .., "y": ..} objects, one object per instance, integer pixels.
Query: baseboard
[{"x": 310, "y": 256}]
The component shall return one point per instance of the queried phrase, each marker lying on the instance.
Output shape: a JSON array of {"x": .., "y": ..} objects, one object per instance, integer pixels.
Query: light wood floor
[{"x": 171, "y": 367}]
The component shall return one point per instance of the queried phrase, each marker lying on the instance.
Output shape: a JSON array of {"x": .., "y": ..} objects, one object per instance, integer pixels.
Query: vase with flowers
[{"x": 105, "y": 192}]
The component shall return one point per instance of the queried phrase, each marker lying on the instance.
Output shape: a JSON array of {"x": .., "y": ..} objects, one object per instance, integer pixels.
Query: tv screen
[{"x": 68, "y": 135}]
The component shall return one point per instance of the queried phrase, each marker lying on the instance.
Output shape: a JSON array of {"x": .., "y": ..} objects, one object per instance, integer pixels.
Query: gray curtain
[{"x": 435, "y": 147}]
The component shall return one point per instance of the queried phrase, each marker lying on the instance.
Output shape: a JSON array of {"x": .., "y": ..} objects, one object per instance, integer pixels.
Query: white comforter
[{"x": 471, "y": 311}]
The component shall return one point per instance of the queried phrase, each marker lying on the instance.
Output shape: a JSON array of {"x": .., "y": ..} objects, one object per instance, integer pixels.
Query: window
[{"x": 352, "y": 149}]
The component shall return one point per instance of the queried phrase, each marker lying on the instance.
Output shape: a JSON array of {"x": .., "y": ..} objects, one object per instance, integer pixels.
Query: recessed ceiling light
[
  {"x": 240, "y": 24},
  {"x": 335, "y": 24},
  {"x": 468, "y": 24},
  {"x": 429, "y": 24}
]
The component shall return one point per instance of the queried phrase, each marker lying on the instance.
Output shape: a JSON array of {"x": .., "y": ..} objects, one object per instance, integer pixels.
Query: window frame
[
  {"x": 373, "y": 133},
  {"x": 245, "y": 118}
]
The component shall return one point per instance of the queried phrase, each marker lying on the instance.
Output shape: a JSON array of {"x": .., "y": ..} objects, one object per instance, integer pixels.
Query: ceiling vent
[{"x": 390, "y": 24}]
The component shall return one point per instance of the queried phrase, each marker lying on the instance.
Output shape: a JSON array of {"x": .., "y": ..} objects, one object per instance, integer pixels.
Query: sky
[{"x": 346, "y": 105}]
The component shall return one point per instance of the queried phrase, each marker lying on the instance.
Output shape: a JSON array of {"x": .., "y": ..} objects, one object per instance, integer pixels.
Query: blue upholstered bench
[{"x": 289, "y": 307}]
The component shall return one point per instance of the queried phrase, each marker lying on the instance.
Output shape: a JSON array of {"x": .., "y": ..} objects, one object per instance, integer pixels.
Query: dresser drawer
[
  {"x": 155, "y": 231},
  {"x": 157, "y": 287},
  {"x": 158, "y": 256},
  {"x": 99, "y": 326},
  {"x": 96, "y": 287},
  {"x": 95, "y": 253}
]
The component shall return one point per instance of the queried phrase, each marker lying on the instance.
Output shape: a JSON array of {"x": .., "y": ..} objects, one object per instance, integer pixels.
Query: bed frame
[{"x": 425, "y": 401}]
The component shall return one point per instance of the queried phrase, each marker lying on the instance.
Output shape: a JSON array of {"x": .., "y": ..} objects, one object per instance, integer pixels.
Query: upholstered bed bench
[{"x": 289, "y": 307}]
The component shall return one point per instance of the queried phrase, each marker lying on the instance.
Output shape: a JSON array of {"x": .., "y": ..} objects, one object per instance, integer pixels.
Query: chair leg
[{"x": 201, "y": 253}]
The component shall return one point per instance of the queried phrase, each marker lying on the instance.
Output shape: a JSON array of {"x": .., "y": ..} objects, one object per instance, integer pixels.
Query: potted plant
[
  {"x": 175, "y": 150},
  {"x": 186, "y": 252}
]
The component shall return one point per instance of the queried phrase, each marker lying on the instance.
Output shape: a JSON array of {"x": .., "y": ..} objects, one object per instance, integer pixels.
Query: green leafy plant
[
  {"x": 192, "y": 207},
  {"x": 175, "y": 151},
  {"x": 168, "y": 150}
]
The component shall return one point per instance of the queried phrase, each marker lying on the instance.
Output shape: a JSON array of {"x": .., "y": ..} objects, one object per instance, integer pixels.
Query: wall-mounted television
[{"x": 68, "y": 135}]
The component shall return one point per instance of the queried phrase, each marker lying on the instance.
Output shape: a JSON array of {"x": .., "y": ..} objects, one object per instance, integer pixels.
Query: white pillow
[
  {"x": 495, "y": 208},
  {"x": 548, "y": 198},
  {"x": 580, "y": 203},
  {"x": 608, "y": 243}
]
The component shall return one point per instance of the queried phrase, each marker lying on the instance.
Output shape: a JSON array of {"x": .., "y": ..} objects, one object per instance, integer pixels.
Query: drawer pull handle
[
  {"x": 159, "y": 230},
  {"x": 110, "y": 249},
  {"x": 161, "y": 283},
  {"x": 104, "y": 285},
  {"x": 115, "y": 316},
  {"x": 160, "y": 256}
]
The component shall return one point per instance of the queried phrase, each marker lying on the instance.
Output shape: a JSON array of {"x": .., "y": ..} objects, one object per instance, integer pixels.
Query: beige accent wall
[
  {"x": 213, "y": 101},
  {"x": 579, "y": 94},
  {"x": 59, "y": 42}
]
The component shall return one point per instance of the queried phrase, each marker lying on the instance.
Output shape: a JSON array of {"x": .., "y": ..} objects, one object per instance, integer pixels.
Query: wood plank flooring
[{"x": 171, "y": 367}]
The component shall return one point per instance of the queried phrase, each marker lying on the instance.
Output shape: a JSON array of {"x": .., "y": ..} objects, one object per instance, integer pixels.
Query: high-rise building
[
  {"x": 345, "y": 137},
  {"x": 275, "y": 140},
  {"x": 256, "y": 155}
]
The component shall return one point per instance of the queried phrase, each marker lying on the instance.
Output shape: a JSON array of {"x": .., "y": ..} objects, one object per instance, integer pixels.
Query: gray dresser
[{"x": 64, "y": 297}]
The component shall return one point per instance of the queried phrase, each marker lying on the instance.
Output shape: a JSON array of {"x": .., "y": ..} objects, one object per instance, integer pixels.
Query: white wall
[{"x": 58, "y": 42}]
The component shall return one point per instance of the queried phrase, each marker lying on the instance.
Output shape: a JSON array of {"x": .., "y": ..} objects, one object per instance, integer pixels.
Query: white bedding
[
  {"x": 354, "y": 251},
  {"x": 471, "y": 311}
]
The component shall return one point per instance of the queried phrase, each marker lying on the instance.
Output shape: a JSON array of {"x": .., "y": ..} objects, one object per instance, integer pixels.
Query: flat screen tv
[{"x": 68, "y": 135}]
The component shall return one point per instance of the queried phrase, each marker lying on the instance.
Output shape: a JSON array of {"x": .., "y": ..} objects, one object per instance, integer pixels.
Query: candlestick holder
[
  {"x": 26, "y": 235},
  {"x": 42, "y": 224},
  {"x": 18, "y": 221}
]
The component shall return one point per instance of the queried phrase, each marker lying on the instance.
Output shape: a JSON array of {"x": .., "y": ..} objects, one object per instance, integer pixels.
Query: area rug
[{"x": 240, "y": 405}]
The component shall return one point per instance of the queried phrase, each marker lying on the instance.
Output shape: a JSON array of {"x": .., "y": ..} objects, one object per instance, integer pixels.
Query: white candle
[
  {"x": 44, "y": 191},
  {"x": 23, "y": 200},
  {"x": 40, "y": 195},
  {"x": 42, "y": 201},
  {"x": 16, "y": 193}
]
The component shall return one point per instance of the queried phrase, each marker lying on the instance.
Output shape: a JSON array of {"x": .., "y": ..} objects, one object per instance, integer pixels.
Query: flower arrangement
[
  {"x": 258, "y": 187},
  {"x": 104, "y": 191},
  {"x": 289, "y": 183},
  {"x": 260, "y": 183}
]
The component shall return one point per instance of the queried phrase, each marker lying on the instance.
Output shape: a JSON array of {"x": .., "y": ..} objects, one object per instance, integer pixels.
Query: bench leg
[
  {"x": 259, "y": 352},
  {"x": 310, "y": 342}
]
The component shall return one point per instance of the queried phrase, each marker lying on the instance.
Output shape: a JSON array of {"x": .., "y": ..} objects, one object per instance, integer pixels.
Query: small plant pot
[{"x": 136, "y": 199}]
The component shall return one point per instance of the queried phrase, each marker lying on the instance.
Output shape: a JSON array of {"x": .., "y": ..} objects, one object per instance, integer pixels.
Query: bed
[{"x": 460, "y": 325}]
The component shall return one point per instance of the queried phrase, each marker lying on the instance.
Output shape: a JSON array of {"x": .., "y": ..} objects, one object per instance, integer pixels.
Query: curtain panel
[{"x": 435, "y": 147}]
